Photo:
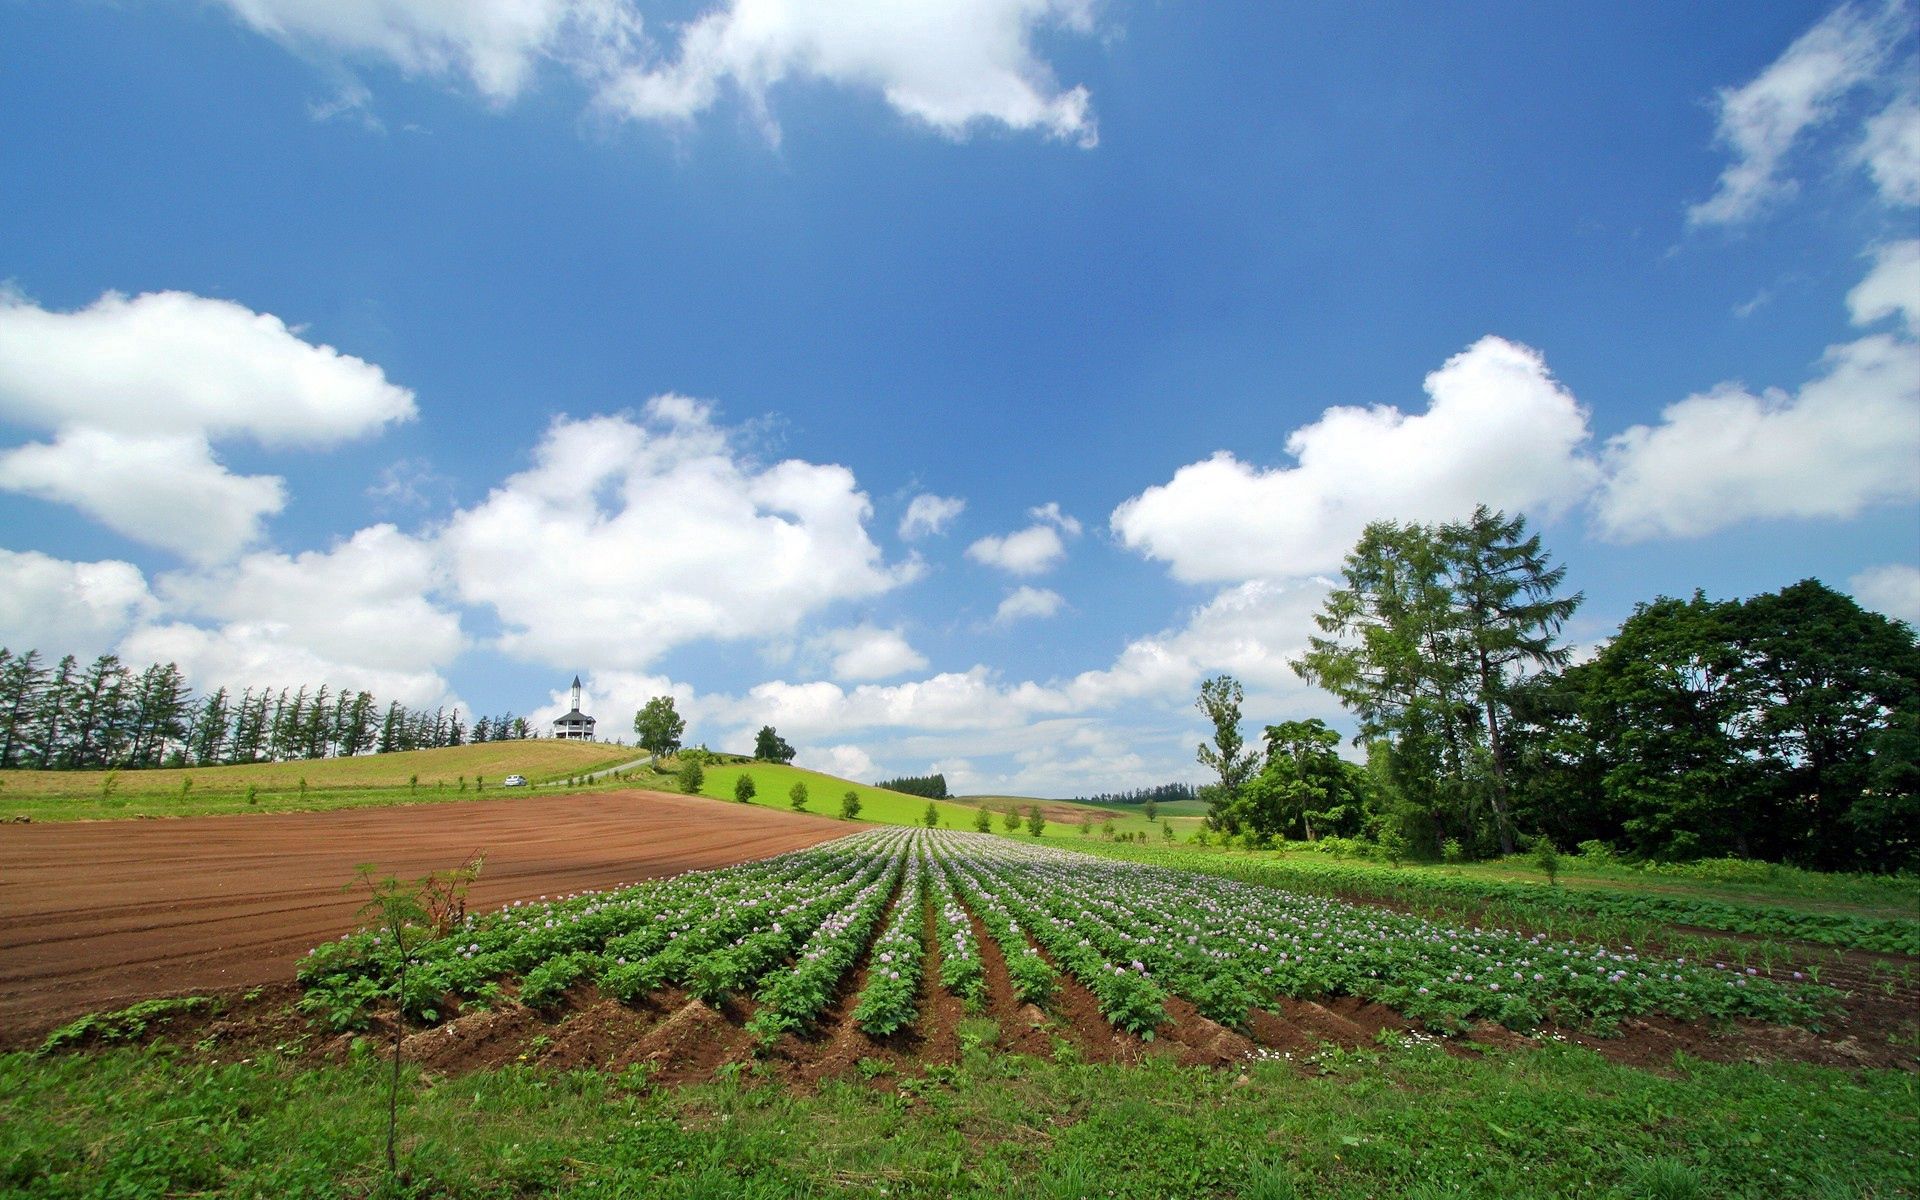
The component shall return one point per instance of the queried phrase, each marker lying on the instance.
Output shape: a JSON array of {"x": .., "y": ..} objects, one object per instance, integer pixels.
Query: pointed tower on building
[{"x": 576, "y": 726}]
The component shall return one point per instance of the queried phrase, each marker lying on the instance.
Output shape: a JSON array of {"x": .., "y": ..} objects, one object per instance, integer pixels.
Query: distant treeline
[
  {"x": 933, "y": 787},
  {"x": 1166, "y": 793},
  {"x": 106, "y": 714}
]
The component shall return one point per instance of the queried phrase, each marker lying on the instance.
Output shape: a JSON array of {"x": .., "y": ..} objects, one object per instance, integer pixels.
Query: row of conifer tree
[{"x": 107, "y": 714}]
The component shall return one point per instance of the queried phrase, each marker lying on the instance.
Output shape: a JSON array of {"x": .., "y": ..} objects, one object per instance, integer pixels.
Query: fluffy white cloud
[
  {"x": 1025, "y": 602},
  {"x": 358, "y": 615},
  {"x": 929, "y": 514},
  {"x": 495, "y": 44},
  {"x": 136, "y": 390},
  {"x": 1761, "y": 120},
  {"x": 1850, "y": 438},
  {"x": 1030, "y": 551},
  {"x": 950, "y": 64},
  {"x": 60, "y": 607},
  {"x": 165, "y": 490},
  {"x": 848, "y": 762},
  {"x": 1893, "y": 589},
  {"x": 171, "y": 363},
  {"x": 1891, "y": 151},
  {"x": 628, "y": 538},
  {"x": 1891, "y": 289},
  {"x": 868, "y": 652},
  {"x": 1498, "y": 430}
]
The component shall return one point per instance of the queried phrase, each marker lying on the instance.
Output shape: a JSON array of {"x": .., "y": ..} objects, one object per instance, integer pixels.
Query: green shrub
[
  {"x": 693, "y": 777},
  {"x": 850, "y": 805},
  {"x": 743, "y": 789},
  {"x": 797, "y": 795}
]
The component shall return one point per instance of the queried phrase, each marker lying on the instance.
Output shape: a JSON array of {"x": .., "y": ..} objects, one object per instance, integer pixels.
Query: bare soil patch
[{"x": 96, "y": 915}]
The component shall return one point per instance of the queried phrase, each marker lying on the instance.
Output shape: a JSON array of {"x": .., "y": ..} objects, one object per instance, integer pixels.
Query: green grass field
[
  {"x": 367, "y": 780},
  {"x": 1396, "y": 1120}
]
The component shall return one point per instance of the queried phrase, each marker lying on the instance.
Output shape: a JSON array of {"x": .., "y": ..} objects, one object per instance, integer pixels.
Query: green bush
[
  {"x": 743, "y": 789},
  {"x": 693, "y": 777}
]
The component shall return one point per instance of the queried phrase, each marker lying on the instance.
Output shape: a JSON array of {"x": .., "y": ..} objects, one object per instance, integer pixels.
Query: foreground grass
[
  {"x": 406, "y": 777},
  {"x": 1402, "y": 1120}
]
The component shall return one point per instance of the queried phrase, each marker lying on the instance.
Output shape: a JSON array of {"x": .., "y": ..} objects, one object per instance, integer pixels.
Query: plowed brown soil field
[{"x": 98, "y": 914}]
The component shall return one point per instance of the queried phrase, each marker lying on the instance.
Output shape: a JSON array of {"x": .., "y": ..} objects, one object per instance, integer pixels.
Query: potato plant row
[
  {"x": 789, "y": 931},
  {"x": 1129, "y": 931}
]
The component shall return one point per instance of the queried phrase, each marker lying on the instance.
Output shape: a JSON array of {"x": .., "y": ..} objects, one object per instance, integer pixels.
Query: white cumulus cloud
[
  {"x": 1498, "y": 430},
  {"x": 1891, "y": 151},
  {"x": 59, "y": 607},
  {"x": 1892, "y": 288},
  {"x": 948, "y": 64},
  {"x": 137, "y": 390},
  {"x": 1849, "y": 438},
  {"x": 929, "y": 514},
  {"x": 1031, "y": 551},
  {"x": 1025, "y": 603},
  {"x": 166, "y": 490},
  {"x": 1893, "y": 589},
  {"x": 359, "y": 615},
  {"x": 869, "y": 652},
  {"x": 1761, "y": 120},
  {"x": 627, "y": 538},
  {"x": 496, "y": 45},
  {"x": 175, "y": 363}
]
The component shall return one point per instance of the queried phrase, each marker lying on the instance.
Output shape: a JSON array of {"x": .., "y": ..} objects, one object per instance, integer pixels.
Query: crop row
[
  {"x": 788, "y": 931},
  {"x": 1532, "y": 902}
]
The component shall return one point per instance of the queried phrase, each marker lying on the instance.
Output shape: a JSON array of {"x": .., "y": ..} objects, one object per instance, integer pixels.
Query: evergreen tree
[
  {"x": 50, "y": 732},
  {"x": 22, "y": 679},
  {"x": 210, "y": 730}
]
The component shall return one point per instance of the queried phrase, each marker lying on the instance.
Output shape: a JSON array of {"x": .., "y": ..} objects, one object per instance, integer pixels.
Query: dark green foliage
[
  {"x": 1227, "y": 755},
  {"x": 693, "y": 777},
  {"x": 849, "y": 805},
  {"x": 743, "y": 789},
  {"x": 797, "y": 795},
  {"x": 1165, "y": 793},
  {"x": 769, "y": 746},
  {"x": 931, "y": 818},
  {"x": 933, "y": 787}
]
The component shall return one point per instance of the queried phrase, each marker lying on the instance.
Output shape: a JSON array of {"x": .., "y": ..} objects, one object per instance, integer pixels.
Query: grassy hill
[
  {"x": 1127, "y": 818},
  {"x": 456, "y": 771},
  {"x": 773, "y": 782}
]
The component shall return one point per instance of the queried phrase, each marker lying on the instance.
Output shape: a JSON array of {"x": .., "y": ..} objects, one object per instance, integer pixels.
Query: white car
[{"x": 514, "y": 781}]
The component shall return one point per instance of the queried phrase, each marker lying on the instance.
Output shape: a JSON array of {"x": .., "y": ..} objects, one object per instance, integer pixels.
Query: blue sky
[{"x": 449, "y": 351}]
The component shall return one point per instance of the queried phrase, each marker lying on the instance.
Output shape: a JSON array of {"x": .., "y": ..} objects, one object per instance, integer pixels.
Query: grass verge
[{"x": 1405, "y": 1119}]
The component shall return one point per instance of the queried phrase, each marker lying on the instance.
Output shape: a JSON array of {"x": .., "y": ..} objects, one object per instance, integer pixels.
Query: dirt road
[{"x": 98, "y": 914}]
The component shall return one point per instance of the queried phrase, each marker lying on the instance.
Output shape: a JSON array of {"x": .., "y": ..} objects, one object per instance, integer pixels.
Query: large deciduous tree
[
  {"x": 659, "y": 726},
  {"x": 1425, "y": 642}
]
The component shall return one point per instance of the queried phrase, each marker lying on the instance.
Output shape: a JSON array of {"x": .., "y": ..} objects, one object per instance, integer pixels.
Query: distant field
[
  {"x": 772, "y": 782},
  {"x": 330, "y": 782},
  {"x": 1064, "y": 816}
]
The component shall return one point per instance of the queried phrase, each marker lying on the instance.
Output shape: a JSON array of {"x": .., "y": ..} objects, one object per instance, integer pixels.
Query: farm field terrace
[
  {"x": 401, "y": 777},
  {"x": 939, "y": 1013}
]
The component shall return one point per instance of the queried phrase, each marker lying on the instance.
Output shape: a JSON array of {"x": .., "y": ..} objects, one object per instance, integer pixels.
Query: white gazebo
[{"x": 575, "y": 726}]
